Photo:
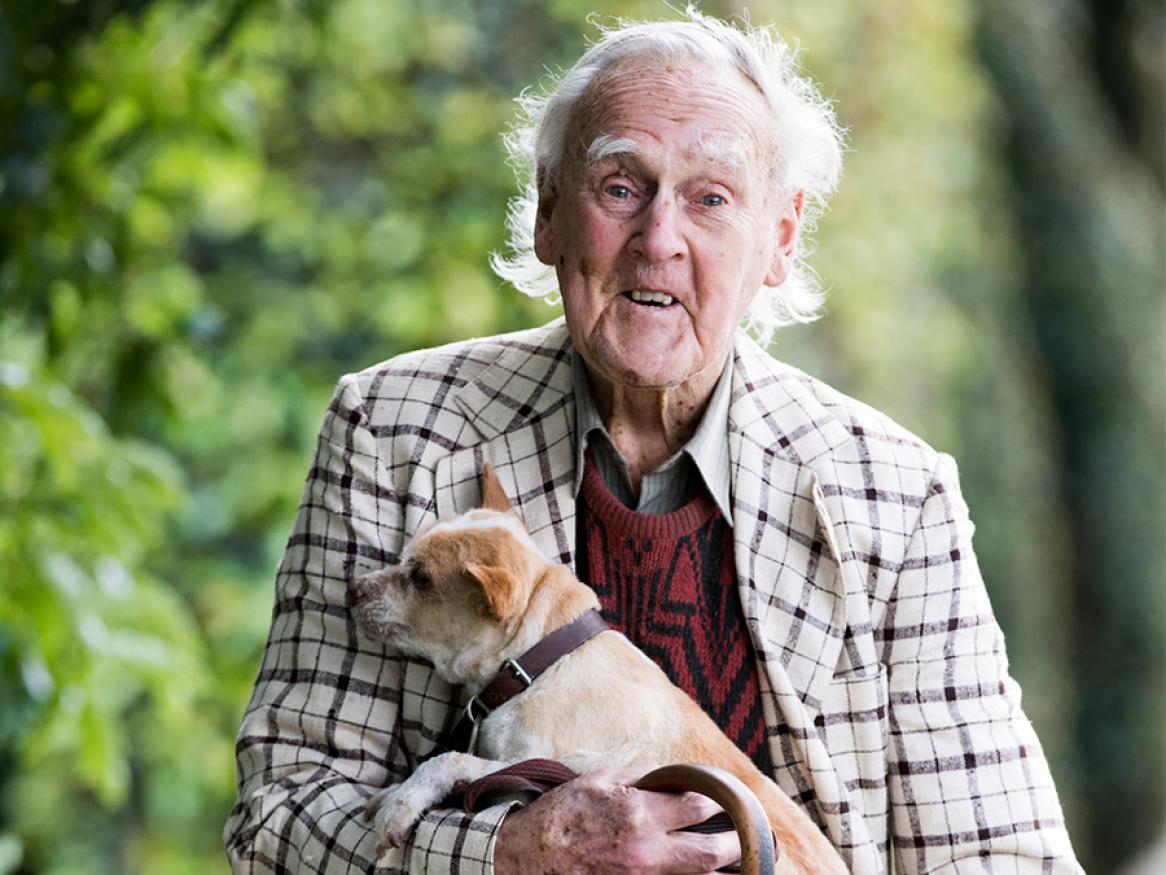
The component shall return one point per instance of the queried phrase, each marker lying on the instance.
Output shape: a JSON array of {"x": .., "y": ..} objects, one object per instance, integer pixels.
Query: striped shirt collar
[{"x": 708, "y": 448}]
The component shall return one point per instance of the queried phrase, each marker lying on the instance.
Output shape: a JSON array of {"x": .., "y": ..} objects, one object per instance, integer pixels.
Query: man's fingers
[
  {"x": 598, "y": 823},
  {"x": 696, "y": 853},
  {"x": 672, "y": 811},
  {"x": 678, "y": 810}
]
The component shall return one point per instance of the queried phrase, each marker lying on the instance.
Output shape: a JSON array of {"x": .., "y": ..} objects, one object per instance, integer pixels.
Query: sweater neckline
[{"x": 602, "y": 502}]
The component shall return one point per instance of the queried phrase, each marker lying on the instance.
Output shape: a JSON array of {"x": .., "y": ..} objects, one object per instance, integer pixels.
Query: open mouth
[{"x": 651, "y": 299}]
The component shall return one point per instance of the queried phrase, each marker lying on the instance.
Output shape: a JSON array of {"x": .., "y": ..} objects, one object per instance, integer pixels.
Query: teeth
[{"x": 642, "y": 297}]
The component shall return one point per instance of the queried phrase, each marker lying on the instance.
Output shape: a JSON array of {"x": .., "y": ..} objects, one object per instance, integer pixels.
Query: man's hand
[{"x": 599, "y": 823}]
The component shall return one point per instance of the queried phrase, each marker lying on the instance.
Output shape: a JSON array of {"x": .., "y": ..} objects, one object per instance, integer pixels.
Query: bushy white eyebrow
[
  {"x": 605, "y": 145},
  {"x": 719, "y": 149}
]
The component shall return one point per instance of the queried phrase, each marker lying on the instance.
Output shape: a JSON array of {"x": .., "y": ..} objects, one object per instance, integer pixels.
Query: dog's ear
[
  {"x": 500, "y": 586},
  {"x": 493, "y": 495}
]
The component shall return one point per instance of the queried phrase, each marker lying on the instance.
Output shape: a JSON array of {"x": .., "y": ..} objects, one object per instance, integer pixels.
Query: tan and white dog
[{"x": 473, "y": 591}]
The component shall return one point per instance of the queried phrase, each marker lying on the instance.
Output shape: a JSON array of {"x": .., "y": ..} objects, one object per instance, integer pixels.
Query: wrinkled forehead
[{"x": 719, "y": 114}]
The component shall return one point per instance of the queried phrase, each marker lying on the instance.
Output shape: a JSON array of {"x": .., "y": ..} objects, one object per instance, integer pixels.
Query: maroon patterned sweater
[{"x": 668, "y": 582}]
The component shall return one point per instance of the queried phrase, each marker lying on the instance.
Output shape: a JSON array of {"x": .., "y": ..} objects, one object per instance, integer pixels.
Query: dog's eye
[{"x": 420, "y": 579}]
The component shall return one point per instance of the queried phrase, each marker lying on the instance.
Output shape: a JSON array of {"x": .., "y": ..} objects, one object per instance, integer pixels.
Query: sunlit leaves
[
  {"x": 92, "y": 631},
  {"x": 215, "y": 225},
  {"x": 11, "y": 853}
]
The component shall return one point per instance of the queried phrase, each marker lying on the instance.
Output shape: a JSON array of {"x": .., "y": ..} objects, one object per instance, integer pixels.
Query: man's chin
[
  {"x": 645, "y": 377},
  {"x": 640, "y": 365}
]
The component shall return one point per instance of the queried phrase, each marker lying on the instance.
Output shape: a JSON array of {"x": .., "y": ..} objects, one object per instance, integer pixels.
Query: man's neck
[{"x": 648, "y": 426}]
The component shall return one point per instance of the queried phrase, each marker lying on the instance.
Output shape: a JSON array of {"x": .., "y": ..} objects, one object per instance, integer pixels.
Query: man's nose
[{"x": 658, "y": 238}]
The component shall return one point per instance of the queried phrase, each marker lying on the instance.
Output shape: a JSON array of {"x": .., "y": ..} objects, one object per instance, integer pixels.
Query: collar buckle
[
  {"x": 514, "y": 677},
  {"x": 518, "y": 671}
]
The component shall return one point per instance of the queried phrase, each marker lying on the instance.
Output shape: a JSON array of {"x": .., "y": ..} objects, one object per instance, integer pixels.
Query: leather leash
[{"x": 516, "y": 675}]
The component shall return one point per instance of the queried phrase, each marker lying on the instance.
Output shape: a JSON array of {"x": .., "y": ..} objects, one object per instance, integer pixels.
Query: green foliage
[
  {"x": 211, "y": 211},
  {"x": 89, "y": 636}
]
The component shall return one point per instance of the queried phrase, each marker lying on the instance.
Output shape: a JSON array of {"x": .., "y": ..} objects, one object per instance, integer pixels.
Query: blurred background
[{"x": 210, "y": 211}]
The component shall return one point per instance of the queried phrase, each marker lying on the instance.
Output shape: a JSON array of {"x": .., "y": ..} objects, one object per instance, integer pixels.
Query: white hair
[{"x": 809, "y": 144}]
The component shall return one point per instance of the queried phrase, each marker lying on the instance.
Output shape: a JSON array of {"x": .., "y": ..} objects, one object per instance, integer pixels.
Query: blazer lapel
[
  {"x": 523, "y": 409},
  {"x": 792, "y": 582}
]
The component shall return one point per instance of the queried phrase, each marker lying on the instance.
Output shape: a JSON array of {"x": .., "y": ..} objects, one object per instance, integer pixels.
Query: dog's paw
[
  {"x": 373, "y": 805},
  {"x": 396, "y": 811}
]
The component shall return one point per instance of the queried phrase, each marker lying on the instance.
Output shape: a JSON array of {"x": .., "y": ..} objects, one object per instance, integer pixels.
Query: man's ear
[
  {"x": 500, "y": 586},
  {"x": 788, "y": 226},
  {"x": 544, "y": 238},
  {"x": 493, "y": 495}
]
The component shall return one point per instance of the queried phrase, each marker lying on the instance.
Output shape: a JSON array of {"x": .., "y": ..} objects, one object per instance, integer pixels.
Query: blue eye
[
  {"x": 620, "y": 192},
  {"x": 712, "y": 200}
]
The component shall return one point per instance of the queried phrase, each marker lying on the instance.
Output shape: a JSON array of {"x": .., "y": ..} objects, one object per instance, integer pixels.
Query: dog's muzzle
[{"x": 365, "y": 588}]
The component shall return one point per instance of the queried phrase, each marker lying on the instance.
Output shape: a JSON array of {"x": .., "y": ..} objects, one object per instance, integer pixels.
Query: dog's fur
[{"x": 474, "y": 590}]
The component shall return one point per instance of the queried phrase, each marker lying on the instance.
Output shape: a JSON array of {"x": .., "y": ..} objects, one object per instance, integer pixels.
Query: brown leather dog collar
[{"x": 516, "y": 675}]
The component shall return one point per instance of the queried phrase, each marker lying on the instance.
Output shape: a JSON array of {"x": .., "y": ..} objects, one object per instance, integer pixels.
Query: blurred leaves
[
  {"x": 89, "y": 631},
  {"x": 210, "y": 212},
  {"x": 11, "y": 852}
]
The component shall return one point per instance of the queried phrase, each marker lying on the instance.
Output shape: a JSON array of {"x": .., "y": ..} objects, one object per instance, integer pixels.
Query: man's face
[{"x": 665, "y": 221}]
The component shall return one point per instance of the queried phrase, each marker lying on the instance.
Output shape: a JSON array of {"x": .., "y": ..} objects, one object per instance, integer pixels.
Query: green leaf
[{"x": 11, "y": 853}]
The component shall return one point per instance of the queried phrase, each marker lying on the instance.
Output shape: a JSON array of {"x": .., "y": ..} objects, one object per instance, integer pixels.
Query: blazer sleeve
[
  {"x": 332, "y": 717},
  {"x": 968, "y": 782}
]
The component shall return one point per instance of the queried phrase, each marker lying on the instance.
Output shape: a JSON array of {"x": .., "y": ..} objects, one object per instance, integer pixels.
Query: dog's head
[{"x": 460, "y": 590}]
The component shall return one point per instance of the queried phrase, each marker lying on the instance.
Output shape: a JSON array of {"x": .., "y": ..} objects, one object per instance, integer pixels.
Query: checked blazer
[{"x": 891, "y": 717}]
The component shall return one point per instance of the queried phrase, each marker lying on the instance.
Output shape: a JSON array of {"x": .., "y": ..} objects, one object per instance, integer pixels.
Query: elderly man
[{"x": 833, "y": 619}]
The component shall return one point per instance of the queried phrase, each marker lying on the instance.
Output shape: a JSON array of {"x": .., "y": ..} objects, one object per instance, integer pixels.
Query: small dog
[{"x": 473, "y": 591}]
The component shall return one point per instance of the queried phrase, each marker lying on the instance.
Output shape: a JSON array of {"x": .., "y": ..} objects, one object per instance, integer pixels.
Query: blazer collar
[
  {"x": 774, "y": 406},
  {"x": 771, "y": 402},
  {"x": 530, "y": 379},
  {"x": 522, "y": 407}
]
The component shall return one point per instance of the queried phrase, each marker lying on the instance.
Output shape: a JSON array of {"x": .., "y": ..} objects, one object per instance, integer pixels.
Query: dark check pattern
[{"x": 890, "y": 714}]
